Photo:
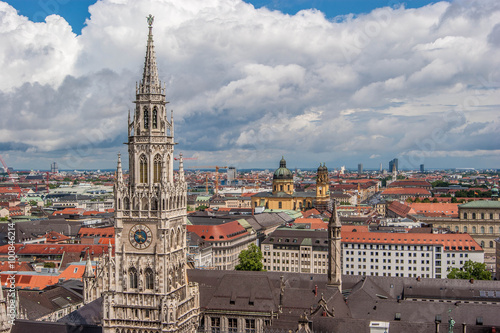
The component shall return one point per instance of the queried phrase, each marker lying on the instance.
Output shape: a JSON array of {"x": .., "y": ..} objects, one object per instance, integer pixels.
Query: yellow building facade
[{"x": 283, "y": 195}]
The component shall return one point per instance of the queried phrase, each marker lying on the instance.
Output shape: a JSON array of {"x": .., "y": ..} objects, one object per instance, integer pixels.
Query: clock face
[{"x": 140, "y": 236}]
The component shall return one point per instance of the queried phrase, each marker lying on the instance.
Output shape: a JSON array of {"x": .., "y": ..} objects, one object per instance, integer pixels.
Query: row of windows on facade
[
  {"x": 133, "y": 278},
  {"x": 295, "y": 269},
  {"x": 481, "y": 216},
  {"x": 232, "y": 325},
  {"x": 388, "y": 254},
  {"x": 280, "y": 204},
  {"x": 143, "y": 169},
  {"x": 391, "y": 247},
  {"x": 397, "y": 268},
  {"x": 154, "y": 118},
  {"x": 171, "y": 203},
  {"x": 402, "y": 261},
  {"x": 491, "y": 230},
  {"x": 438, "y": 276}
]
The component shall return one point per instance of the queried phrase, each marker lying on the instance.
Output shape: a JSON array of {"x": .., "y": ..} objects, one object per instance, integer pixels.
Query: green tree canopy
[
  {"x": 440, "y": 183},
  {"x": 250, "y": 259},
  {"x": 470, "y": 270}
]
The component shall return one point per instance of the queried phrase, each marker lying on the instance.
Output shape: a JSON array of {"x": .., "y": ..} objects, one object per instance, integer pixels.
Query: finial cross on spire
[{"x": 150, "y": 19}]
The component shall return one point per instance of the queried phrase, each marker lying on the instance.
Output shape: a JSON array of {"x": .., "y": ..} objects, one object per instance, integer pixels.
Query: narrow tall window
[
  {"x": 143, "y": 169},
  {"x": 132, "y": 273},
  {"x": 215, "y": 325},
  {"x": 157, "y": 169},
  {"x": 155, "y": 118},
  {"x": 146, "y": 118},
  {"x": 149, "y": 279},
  {"x": 249, "y": 325},
  {"x": 232, "y": 325}
]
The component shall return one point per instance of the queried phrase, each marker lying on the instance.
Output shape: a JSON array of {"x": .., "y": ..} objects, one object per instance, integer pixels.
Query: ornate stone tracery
[{"x": 146, "y": 277}]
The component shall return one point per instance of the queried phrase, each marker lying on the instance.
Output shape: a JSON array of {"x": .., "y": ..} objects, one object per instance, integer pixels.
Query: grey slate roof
[{"x": 407, "y": 304}]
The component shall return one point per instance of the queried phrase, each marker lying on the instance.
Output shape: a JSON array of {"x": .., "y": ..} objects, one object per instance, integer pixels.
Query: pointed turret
[
  {"x": 334, "y": 248},
  {"x": 119, "y": 172},
  {"x": 89, "y": 271},
  {"x": 110, "y": 249},
  {"x": 181, "y": 168},
  {"x": 172, "y": 123},
  {"x": 150, "y": 82}
]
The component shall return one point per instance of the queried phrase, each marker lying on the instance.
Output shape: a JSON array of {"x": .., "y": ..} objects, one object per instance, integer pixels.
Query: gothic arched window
[
  {"x": 132, "y": 275},
  {"x": 146, "y": 118},
  {"x": 143, "y": 169},
  {"x": 157, "y": 169},
  {"x": 149, "y": 279},
  {"x": 155, "y": 118}
]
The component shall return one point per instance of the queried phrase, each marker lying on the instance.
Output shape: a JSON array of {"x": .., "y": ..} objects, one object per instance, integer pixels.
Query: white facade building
[{"x": 370, "y": 253}]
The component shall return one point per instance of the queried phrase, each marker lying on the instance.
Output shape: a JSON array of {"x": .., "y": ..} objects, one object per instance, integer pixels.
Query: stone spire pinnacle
[
  {"x": 150, "y": 82},
  {"x": 89, "y": 271},
  {"x": 119, "y": 173},
  {"x": 181, "y": 168},
  {"x": 334, "y": 248}
]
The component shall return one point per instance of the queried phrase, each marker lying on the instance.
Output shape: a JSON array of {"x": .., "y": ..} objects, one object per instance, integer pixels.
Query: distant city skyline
[{"x": 346, "y": 83}]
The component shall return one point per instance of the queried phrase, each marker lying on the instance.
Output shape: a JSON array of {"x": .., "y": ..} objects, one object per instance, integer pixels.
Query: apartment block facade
[{"x": 369, "y": 253}]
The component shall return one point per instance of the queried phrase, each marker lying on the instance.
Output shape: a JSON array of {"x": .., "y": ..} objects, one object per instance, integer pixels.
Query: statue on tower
[{"x": 150, "y": 19}]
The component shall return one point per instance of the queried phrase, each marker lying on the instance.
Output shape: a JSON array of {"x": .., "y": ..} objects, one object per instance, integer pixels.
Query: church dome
[
  {"x": 322, "y": 168},
  {"x": 282, "y": 172}
]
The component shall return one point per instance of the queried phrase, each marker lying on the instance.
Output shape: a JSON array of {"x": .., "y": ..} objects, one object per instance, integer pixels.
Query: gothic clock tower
[{"x": 144, "y": 287}]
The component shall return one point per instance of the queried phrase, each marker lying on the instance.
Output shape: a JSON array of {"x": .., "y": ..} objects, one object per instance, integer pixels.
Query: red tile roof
[
  {"x": 410, "y": 183},
  {"x": 310, "y": 212},
  {"x": 406, "y": 191},
  {"x": 69, "y": 211},
  {"x": 15, "y": 266},
  {"x": 221, "y": 232},
  {"x": 108, "y": 232},
  {"x": 443, "y": 209},
  {"x": 74, "y": 271},
  {"x": 24, "y": 281},
  {"x": 450, "y": 242},
  {"x": 55, "y": 237},
  {"x": 314, "y": 222},
  {"x": 399, "y": 208}
]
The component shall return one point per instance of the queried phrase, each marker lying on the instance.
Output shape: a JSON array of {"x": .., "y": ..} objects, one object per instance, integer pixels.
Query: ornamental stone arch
[
  {"x": 172, "y": 239},
  {"x": 144, "y": 203},
  {"x": 157, "y": 168},
  {"x": 179, "y": 237}
]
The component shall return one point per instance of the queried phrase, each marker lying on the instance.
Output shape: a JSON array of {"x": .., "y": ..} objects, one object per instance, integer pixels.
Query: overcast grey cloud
[{"x": 249, "y": 85}]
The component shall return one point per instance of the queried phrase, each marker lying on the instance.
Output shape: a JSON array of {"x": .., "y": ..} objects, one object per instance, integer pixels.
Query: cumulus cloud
[{"x": 249, "y": 85}]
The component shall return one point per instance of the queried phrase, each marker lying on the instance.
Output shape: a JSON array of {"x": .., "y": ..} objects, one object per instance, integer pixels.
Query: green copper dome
[{"x": 282, "y": 172}]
